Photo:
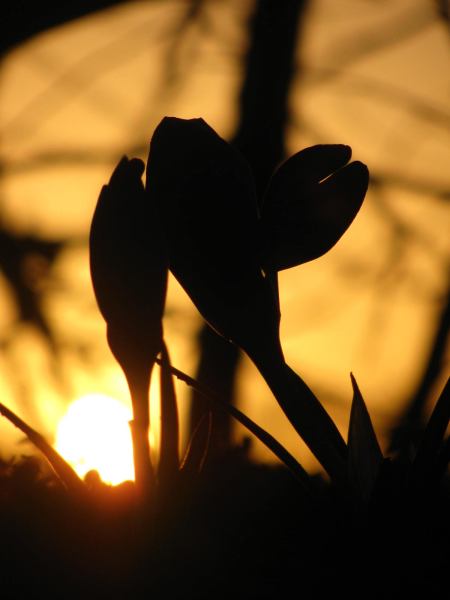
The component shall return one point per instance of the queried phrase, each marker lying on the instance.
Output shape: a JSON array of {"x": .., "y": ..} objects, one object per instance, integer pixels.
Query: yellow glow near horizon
[{"x": 94, "y": 434}]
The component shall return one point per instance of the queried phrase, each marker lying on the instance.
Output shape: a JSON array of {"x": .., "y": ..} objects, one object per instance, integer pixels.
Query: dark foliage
[
  {"x": 241, "y": 531},
  {"x": 215, "y": 524}
]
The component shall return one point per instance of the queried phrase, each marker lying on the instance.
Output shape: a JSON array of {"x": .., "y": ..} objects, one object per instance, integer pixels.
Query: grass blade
[
  {"x": 197, "y": 450},
  {"x": 364, "y": 453},
  {"x": 430, "y": 446},
  {"x": 268, "y": 440},
  {"x": 62, "y": 469},
  {"x": 168, "y": 453}
]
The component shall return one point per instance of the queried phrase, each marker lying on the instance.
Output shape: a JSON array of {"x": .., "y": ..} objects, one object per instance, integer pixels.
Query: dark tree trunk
[{"x": 270, "y": 65}]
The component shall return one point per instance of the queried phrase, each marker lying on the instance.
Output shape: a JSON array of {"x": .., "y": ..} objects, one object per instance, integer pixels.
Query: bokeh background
[{"x": 78, "y": 93}]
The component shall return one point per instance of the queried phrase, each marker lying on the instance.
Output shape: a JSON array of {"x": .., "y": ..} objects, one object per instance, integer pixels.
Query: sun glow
[{"x": 94, "y": 434}]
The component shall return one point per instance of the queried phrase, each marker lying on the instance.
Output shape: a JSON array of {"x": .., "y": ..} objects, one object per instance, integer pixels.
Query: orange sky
[{"x": 94, "y": 87}]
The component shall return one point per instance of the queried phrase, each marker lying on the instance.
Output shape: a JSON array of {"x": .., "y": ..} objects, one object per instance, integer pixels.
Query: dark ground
[{"x": 239, "y": 531}]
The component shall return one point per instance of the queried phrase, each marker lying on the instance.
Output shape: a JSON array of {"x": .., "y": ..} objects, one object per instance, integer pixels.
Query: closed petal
[
  {"x": 205, "y": 198},
  {"x": 310, "y": 165},
  {"x": 128, "y": 263},
  {"x": 311, "y": 201}
]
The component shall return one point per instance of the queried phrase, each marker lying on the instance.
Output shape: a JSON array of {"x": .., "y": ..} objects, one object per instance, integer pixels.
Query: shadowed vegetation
[
  {"x": 214, "y": 524},
  {"x": 205, "y": 521}
]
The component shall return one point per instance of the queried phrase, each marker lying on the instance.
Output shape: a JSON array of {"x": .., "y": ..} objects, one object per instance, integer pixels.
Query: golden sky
[{"x": 373, "y": 75}]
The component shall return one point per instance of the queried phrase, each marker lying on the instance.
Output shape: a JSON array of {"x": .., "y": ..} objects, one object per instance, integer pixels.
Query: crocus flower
[
  {"x": 205, "y": 198},
  {"x": 220, "y": 249},
  {"x": 129, "y": 274},
  {"x": 223, "y": 253},
  {"x": 128, "y": 267},
  {"x": 309, "y": 204}
]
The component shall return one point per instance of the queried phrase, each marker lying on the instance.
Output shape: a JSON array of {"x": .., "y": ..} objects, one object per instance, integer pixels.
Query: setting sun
[{"x": 94, "y": 434}]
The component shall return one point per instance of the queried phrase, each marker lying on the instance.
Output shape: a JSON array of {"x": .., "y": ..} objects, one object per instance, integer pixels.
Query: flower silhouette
[
  {"x": 129, "y": 275},
  {"x": 205, "y": 198},
  {"x": 199, "y": 212},
  {"x": 220, "y": 248},
  {"x": 309, "y": 204},
  {"x": 226, "y": 255},
  {"x": 129, "y": 267}
]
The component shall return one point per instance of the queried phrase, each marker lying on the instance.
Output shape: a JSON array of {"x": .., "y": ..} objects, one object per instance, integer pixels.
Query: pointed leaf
[
  {"x": 364, "y": 453},
  {"x": 311, "y": 201},
  {"x": 308, "y": 417},
  {"x": 129, "y": 275},
  {"x": 168, "y": 454},
  {"x": 197, "y": 450},
  {"x": 62, "y": 469},
  {"x": 430, "y": 446}
]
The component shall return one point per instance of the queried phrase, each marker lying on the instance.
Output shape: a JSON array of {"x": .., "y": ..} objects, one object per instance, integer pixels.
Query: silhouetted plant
[
  {"x": 63, "y": 470},
  {"x": 364, "y": 453},
  {"x": 370, "y": 473},
  {"x": 310, "y": 202},
  {"x": 129, "y": 276},
  {"x": 226, "y": 256},
  {"x": 197, "y": 214}
]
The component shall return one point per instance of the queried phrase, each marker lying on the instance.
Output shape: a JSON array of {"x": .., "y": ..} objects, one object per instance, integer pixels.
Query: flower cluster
[{"x": 199, "y": 216}]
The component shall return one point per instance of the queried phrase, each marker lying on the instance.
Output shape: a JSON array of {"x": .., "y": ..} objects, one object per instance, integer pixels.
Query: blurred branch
[
  {"x": 74, "y": 157},
  {"x": 344, "y": 53},
  {"x": 443, "y": 9},
  {"x": 82, "y": 75},
  {"x": 180, "y": 56},
  {"x": 16, "y": 256},
  {"x": 401, "y": 227},
  {"x": 387, "y": 91},
  {"x": 193, "y": 15},
  {"x": 106, "y": 156},
  {"x": 22, "y": 20},
  {"x": 408, "y": 183},
  {"x": 411, "y": 423},
  {"x": 25, "y": 262}
]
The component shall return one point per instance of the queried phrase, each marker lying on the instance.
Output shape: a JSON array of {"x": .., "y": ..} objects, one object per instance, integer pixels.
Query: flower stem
[{"x": 140, "y": 427}]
